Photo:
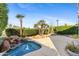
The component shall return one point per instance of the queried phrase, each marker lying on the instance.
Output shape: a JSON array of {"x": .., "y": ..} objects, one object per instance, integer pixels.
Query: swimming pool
[{"x": 24, "y": 48}]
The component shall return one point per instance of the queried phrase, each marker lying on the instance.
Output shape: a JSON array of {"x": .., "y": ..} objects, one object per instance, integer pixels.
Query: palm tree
[
  {"x": 57, "y": 22},
  {"x": 20, "y": 17}
]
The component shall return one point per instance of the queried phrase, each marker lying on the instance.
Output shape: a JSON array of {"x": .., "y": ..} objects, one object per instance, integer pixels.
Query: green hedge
[
  {"x": 66, "y": 30},
  {"x": 26, "y": 32},
  {"x": 30, "y": 32},
  {"x": 11, "y": 31}
]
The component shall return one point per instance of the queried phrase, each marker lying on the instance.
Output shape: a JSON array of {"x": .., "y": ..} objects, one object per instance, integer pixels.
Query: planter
[{"x": 71, "y": 53}]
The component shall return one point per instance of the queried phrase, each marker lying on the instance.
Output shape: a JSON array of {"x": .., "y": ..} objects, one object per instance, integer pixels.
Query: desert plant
[{"x": 72, "y": 48}]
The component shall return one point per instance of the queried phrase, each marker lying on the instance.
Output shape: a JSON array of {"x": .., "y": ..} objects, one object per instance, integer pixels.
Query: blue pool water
[{"x": 23, "y": 48}]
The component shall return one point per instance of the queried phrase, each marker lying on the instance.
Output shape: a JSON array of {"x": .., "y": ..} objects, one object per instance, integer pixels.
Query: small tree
[
  {"x": 3, "y": 16},
  {"x": 41, "y": 26}
]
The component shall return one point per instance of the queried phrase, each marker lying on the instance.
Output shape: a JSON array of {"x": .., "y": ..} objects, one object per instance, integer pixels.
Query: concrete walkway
[
  {"x": 52, "y": 46},
  {"x": 47, "y": 49},
  {"x": 60, "y": 43}
]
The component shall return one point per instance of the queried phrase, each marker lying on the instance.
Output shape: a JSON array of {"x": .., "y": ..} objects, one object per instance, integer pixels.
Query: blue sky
[{"x": 50, "y": 12}]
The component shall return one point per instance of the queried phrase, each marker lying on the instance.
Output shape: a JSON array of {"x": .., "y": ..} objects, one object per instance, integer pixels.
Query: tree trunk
[
  {"x": 21, "y": 27},
  {"x": 39, "y": 31}
]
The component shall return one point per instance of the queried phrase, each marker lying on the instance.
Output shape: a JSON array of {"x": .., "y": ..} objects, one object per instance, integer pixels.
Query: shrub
[
  {"x": 30, "y": 32},
  {"x": 26, "y": 32},
  {"x": 11, "y": 31},
  {"x": 66, "y": 30},
  {"x": 73, "y": 48}
]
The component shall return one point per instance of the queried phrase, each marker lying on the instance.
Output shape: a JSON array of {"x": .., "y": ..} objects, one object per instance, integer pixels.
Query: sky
[{"x": 50, "y": 12}]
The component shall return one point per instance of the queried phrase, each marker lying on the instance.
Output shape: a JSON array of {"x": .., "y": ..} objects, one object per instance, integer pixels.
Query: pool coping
[{"x": 43, "y": 51}]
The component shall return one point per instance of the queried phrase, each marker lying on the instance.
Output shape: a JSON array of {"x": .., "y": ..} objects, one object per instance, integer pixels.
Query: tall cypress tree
[{"x": 3, "y": 16}]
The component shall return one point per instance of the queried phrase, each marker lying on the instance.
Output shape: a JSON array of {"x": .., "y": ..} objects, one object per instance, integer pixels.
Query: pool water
[{"x": 23, "y": 48}]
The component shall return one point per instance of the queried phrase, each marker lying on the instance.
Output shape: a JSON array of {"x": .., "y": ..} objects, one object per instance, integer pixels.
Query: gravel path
[{"x": 60, "y": 43}]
